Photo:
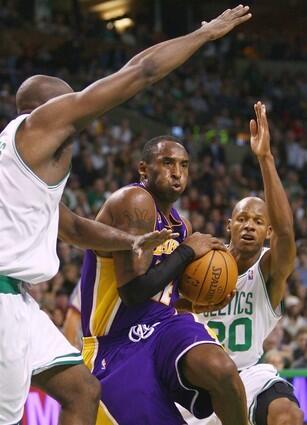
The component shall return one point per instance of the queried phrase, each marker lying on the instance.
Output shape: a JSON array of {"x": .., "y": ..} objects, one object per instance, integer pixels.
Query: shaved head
[
  {"x": 37, "y": 90},
  {"x": 250, "y": 202},
  {"x": 249, "y": 227}
]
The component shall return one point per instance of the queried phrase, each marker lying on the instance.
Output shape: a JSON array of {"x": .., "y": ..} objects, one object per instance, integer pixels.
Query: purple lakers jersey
[{"x": 102, "y": 311}]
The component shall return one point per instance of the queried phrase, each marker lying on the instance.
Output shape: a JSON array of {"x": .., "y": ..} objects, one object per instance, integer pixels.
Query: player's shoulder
[
  {"x": 131, "y": 196},
  {"x": 125, "y": 200}
]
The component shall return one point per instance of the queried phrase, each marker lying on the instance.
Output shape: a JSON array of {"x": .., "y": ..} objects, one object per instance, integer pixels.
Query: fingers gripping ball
[{"x": 209, "y": 279}]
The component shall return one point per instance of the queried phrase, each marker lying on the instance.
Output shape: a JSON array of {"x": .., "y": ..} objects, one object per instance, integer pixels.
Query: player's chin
[
  {"x": 174, "y": 193},
  {"x": 249, "y": 245}
]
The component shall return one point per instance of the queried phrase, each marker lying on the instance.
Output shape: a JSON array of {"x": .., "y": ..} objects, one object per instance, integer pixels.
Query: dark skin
[
  {"x": 252, "y": 222},
  {"x": 165, "y": 176}
]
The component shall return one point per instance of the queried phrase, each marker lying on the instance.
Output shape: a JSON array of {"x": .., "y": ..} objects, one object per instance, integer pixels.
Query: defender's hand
[
  {"x": 260, "y": 134},
  {"x": 225, "y": 22},
  {"x": 150, "y": 241},
  {"x": 214, "y": 307},
  {"x": 203, "y": 243},
  {"x": 183, "y": 305}
]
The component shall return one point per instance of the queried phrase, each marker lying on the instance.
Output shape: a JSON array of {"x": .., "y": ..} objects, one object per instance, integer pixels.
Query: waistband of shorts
[{"x": 9, "y": 285}]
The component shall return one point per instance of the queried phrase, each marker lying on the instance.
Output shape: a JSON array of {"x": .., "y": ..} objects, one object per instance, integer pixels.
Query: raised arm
[
  {"x": 90, "y": 234},
  {"x": 59, "y": 118},
  {"x": 279, "y": 262}
]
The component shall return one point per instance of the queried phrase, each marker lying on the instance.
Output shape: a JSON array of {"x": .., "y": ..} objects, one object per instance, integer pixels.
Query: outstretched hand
[
  {"x": 225, "y": 22},
  {"x": 260, "y": 134},
  {"x": 182, "y": 304},
  {"x": 151, "y": 240},
  {"x": 214, "y": 307}
]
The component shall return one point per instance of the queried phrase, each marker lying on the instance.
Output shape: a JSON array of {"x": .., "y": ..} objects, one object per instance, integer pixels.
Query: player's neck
[
  {"x": 244, "y": 260},
  {"x": 164, "y": 207}
]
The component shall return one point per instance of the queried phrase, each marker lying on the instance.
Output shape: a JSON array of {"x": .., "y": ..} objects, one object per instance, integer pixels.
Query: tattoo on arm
[{"x": 138, "y": 219}]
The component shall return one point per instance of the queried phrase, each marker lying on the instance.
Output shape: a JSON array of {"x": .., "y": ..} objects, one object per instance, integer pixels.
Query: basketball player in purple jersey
[{"x": 146, "y": 356}]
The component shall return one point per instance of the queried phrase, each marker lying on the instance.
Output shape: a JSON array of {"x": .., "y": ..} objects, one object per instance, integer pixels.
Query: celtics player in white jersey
[
  {"x": 243, "y": 324},
  {"x": 35, "y": 157}
]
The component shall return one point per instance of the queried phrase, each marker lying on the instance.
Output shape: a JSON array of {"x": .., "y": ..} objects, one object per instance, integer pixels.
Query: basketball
[{"x": 209, "y": 279}]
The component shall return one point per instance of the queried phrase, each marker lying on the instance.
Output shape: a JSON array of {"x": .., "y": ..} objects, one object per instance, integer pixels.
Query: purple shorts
[{"x": 139, "y": 374}]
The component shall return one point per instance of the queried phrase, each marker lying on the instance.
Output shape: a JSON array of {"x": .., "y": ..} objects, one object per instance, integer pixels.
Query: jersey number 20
[{"x": 244, "y": 324}]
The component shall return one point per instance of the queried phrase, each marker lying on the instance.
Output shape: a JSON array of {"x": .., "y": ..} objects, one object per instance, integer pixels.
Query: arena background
[{"x": 207, "y": 102}]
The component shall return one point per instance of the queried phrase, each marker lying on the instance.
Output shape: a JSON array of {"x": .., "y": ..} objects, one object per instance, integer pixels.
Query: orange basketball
[{"x": 210, "y": 278}]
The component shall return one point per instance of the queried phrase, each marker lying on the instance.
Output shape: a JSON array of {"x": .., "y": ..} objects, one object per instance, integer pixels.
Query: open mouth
[
  {"x": 247, "y": 238},
  {"x": 176, "y": 186}
]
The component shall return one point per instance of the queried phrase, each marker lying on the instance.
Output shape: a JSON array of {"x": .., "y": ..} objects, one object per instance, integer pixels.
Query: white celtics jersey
[
  {"x": 29, "y": 215},
  {"x": 244, "y": 323}
]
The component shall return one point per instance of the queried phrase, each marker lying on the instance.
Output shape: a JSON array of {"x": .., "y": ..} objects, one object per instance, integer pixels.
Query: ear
[
  {"x": 142, "y": 170},
  {"x": 228, "y": 225},
  {"x": 269, "y": 232}
]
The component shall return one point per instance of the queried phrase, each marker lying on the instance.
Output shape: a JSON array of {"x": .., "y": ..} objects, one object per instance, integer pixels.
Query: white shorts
[
  {"x": 256, "y": 379},
  {"x": 29, "y": 344}
]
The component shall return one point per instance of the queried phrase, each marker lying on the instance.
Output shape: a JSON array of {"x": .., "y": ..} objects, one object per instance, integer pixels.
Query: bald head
[
  {"x": 249, "y": 227},
  {"x": 250, "y": 203},
  {"x": 37, "y": 90}
]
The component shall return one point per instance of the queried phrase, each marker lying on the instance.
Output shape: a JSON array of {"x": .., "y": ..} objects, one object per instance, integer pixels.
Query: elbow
[
  {"x": 129, "y": 296},
  {"x": 149, "y": 71},
  {"x": 73, "y": 235},
  {"x": 286, "y": 233}
]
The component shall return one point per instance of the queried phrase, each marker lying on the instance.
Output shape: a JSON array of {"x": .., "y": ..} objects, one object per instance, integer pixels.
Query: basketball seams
[
  {"x": 210, "y": 278},
  {"x": 201, "y": 286}
]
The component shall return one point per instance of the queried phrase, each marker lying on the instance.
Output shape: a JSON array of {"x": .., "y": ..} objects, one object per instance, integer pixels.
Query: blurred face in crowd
[
  {"x": 301, "y": 340},
  {"x": 274, "y": 339},
  {"x": 275, "y": 358},
  {"x": 293, "y": 311},
  {"x": 166, "y": 173},
  {"x": 249, "y": 226}
]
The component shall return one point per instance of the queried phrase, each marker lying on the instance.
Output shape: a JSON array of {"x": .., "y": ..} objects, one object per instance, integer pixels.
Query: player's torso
[
  {"x": 103, "y": 312},
  {"x": 244, "y": 323},
  {"x": 29, "y": 214}
]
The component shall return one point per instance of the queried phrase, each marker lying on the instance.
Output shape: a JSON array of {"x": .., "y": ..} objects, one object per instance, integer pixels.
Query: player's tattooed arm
[
  {"x": 90, "y": 234},
  {"x": 131, "y": 209},
  {"x": 138, "y": 218}
]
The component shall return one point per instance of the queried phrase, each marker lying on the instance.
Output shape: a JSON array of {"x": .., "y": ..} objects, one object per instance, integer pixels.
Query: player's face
[
  {"x": 249, "y": 226},
  {"x": 167, "y": 172}
]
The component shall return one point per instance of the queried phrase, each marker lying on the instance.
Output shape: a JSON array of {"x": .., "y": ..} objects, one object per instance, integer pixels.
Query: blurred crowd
[{"x": 207, "y": 103}]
